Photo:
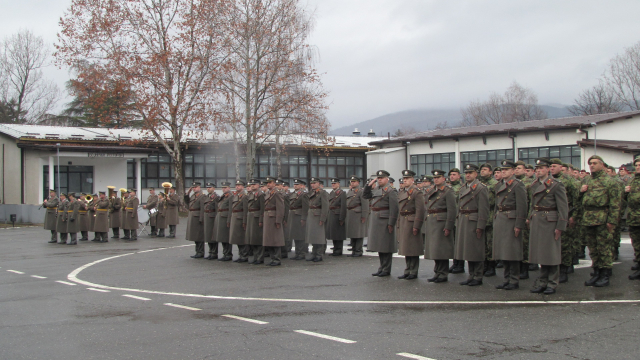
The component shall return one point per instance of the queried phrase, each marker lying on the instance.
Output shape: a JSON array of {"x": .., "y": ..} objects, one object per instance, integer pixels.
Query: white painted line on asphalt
[
  {"x": 16, "y": 272},
  {"x": 144, "y": 251},
  {"x": 183, "y": 307},
  {"x": 413, "y": 356},
  {"x": 38, "y": 277},
  {"x": 246, "y": 319},
  {"x": 136, "y": 297},
  {"x": 325, "y": 336},
  {"x": 73, "y": 276},
  {"x": 66, "y": 283},
  {"x": 98, "y": 290}
]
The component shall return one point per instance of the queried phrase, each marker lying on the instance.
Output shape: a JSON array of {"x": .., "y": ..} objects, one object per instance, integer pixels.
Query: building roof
[
  {"x": 625, "y": 146},
  {"x": 89, "y": 134},
  {"x": 525, "y": 126}
]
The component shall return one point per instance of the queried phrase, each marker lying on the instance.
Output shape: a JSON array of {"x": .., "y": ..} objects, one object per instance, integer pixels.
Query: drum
[
  {"x": 143, "y": 215},
  {"x": 153, "y": 211}
]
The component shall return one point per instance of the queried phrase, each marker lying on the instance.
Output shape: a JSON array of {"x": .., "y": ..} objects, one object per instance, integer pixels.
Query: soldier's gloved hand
[
  {"x": 277, "y": 226},
  {"x": 260, "y": 224},
  {"x": 447, "y": 232},
  {"x": 610, "y": 227},
  {"x": 390, "y": 229},
  {"x": 516, "y": 231},
  {"x": 341, "y": 223},
  {"x": 626, "y": 189},
  {"x": 558, "y": 233},
  {"x": 415, "y": 231},
  {"x": 528, "y": 224},
  {"x": 584, "y": 188},
  {"x": 479, "y": 233}
]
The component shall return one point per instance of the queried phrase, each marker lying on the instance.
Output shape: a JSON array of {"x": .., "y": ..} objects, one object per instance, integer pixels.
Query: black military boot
[
  {"x": 534, "y": 267},
  {"x": 152, "y": 233},
  {"x": 576, "y": 259},
  {"x": 161, "y": 233},
  {"x": 594, "y": 278},
  {"x": 603, "y": 280},
  {"x": 491, "y": 268},
  {"x": 524, "y": 271},
  {"x": 116, "y": 233},
  {"x": 570, "y": 269},
  {"x": 459, "y": 269},
  {"x": 563, "y": 274},
  {"x": 499, "y": 264},
  {"x": 635, "y": 275},
  {"x": 616, "y": 252},
  {"x": 126, "y": 234},
  {"x": 581, "y": 253},
  {"x": 635, "y": 267},
  {"x": 455, "y": 264}
]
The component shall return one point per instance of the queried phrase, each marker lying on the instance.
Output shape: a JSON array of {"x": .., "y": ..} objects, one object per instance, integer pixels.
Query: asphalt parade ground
[{"x": 149, "y": 299}]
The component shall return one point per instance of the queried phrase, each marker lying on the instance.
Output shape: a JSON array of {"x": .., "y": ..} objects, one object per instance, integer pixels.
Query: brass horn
[
  {"x": 167, "y": 186},
  {"x": 89, "y": 198},
  {"x": 122, "y": 192}
]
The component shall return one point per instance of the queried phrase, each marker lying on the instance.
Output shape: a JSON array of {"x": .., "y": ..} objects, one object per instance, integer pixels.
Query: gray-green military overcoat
[
  {"x": 195, "y": 222},
  {"x": 473, "y": 212},
  {"x": 440, "y": 214},
  {"x": 50, "y": 216},
  {"x": 73, "y": 222},
  {"x": 253, "y": 213},
  {"x": 549, "y": 211},
  {"x": 210, "y": 207},
  {"x": 83, "y": 217},
  {"x": 357, "y": 209},
  {"x": 383, "y": 203},
  {"x": 61, "y": 219},
  {"x": 410, "y": 216},
  {"x": 115, "y": 207},
  {"x": 318, "y": 212},
  {"x": 337, "y": 213},
  {"x": 171, "y": 213},
  {"x": 236, "y": 218},
  {"x": 273, "y": 214},
  {"x": 510, "y": 212},
  {"x": 101, "y": 224},
  {"x": 131, "y": 214},
  {"x": 152, "y": 203},
  {"x": 220, "y": 229},
  {"x": 161, "y": 220},
  {"x": 298, "y": 212}
]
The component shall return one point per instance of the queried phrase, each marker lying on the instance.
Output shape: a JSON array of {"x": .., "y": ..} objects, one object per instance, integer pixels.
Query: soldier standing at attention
[
  {"x": 115, "y": 206},
  {"x": 152, "y": 203},
  {"x": 131, "y": 215},
  {"x": 632, "y": 195},
  {"x": 210, "y": 207},
  {"x": 161, "y": 220},
  {"x": 357, "y": 214},
  {"x": 568, "y": 236},
  {"x": 548, "y": 218},
  {"x": 123, "y": 218},
  {"x": 486, "y": 178},
  {"x": 91, "y": 212},
  {"x": 236, "y": 222},
  {"x": 497, "y": 174},
  {"x": 61, "y": 220},
  {"x": 509, "y": 222},
  {"x": 611, "y": 171},
  {"x": 83, "y": 219},
  {"x": 384, "y": 214},
  {"x": 337, "y": 231},
  {"x": 273, "y": 234},
  {"x": 473, "y": 213},
  {"x": 530, "y": 174},
  {"x": 441, "y": 211},
  {"x": 600, "y": 206},
  {"x": 288, "y": 241},
  {"x": 220, "y": 229},
  {"x": 101, "y": 225},
  {"x": 171, "y": 213},
  {"x": 298, "y": 211},
  {"x": 456, "y": 184},
  {"x": 195, "y": 223},
  {"x": 410, "y": 219},
  {"x": 520, "y": 173},
  {"x": 51, "y": 204},
  {"x": 254, "y": 218},
  {"x": 316, "y": 218},
  {"x": 72, "y": 219}
]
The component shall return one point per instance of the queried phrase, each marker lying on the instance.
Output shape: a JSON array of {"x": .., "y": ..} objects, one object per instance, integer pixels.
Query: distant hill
[{"x": 420, "y": 120}]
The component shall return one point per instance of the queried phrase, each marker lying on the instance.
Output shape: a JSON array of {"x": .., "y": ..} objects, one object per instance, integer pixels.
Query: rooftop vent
[
  {"x": 371, "y": 133},
  {"x": 356, "y": 132},
  {"x": 51, "y": 136}
]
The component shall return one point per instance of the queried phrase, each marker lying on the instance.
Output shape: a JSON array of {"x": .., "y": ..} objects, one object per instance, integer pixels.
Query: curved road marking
[{"x": 73, "y": 276}]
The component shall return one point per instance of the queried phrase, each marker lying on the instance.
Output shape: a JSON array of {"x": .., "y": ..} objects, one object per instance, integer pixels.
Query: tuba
[
  {"x": 89, "y": 198},
  {"x": 122, "y": 192},
  {"x": 167, "y": 186},
  {"x": 112, "y": 190}
]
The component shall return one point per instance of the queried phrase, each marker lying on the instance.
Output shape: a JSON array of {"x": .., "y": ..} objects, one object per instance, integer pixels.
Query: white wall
[
  {"x": 612, "y": 157},
  {"x": 393, "y": 162},
  {"x": 623, "y": 129}
]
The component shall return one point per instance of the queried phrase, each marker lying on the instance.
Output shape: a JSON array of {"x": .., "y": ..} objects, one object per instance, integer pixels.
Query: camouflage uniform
[
  {"x": 490, "y": 183},
  {"x": 569, "y": 235},
  {"x": 617, "y": 232},
  {"x": 633, "y": 218},
  {"x": 600, "y": 205},
  {"x": 527, "y": 181}
]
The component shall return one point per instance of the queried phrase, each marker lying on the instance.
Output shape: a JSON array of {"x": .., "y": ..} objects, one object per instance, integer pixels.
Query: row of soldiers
[{"x": 69, "y": 215}]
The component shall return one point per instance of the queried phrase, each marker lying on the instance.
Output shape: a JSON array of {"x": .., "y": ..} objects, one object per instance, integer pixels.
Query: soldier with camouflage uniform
[
  {"x": 487, "y": 179},
  {"x": 600, "y": 206},
  {"x": 632, "y": 195},
  {"x": 611, "y": 171}
]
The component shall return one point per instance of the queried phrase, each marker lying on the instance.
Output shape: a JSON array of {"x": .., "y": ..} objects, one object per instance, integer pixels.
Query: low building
[{"x": 572, "y": 139}]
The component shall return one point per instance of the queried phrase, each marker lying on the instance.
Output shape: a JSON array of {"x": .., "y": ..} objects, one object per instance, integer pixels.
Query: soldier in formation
[
  {"x": 273, "y": 222},
  {"x": 130, "y": 221},
  {"x": 115, "y": 215},
  {"x": 195, "y": 223},
  {"x": 171, "y": 211},
  {"x": 161, "y": 219},
  {"x": 318, "y": 203},
  {"x": 210, "y": 207},
  {"x": 152, "y": 203},
  {"x": 298, "y": 212},
  {"x": 357, "y": 214},
  {"x": 220, "y": 228},
  {"x": 254, "y": 218},
  {"x": 50, "y": 218},
  {"x": 383, "y": 202},
  {"x": 440, "y": 216},
  {"x": 337, "y": 215},
  {"x": 236, "y": 222}
]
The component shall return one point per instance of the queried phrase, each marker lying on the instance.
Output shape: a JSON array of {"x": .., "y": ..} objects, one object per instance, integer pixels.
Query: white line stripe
[
  {"x": 38, "y": 277},
  {"x": 413, "y": 356},
  {"x": 325, "y": 336},
  {"x": 16, "y": 272},
  {"x": 144, "y": 251},
  {"x": 98, "y": 290},
  {"x": 183, "y": 307},
  {"x": 66, "y": 283},
  {"x": 246, "y": 319},
  {"x": 73, "y": 276},
  {"x": 136, "y": 297}
]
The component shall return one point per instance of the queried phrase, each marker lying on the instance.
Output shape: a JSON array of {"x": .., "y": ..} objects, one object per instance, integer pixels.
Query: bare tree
[
  {"x": 517, "y": 104},
  {"x": 22, "y": 58},
  {"x": 622, "y": 76},
  {"x": 600, "y": 99}
]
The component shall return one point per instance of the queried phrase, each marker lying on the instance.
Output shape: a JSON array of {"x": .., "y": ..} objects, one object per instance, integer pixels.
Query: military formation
[{"x": 519, "y": 217}]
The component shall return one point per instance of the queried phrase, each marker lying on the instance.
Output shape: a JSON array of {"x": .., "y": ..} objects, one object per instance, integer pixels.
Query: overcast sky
[{"x": 383, "y": 56}]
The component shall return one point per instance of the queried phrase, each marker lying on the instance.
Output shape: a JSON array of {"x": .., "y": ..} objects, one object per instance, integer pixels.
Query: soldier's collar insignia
[{"x": 474, "y": 186}]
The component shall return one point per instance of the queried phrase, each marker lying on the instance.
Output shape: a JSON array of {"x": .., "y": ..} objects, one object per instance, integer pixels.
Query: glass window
[
  {"x": 351, "y": 160},
  {"x": 210, "y": 171},
  {"x": 165, "y": 170},
  {"x": 444, "y": 161},
  {"x": 164, "y": 158},
  {"x": 188, "y": 158},
  {"x": 492, "y": 157},
  {"x": 322, "y": 160},
  {"x": 360, "y": 160},
  {"x": 332, "y": 160},
  {"x": 152, "y": 170},
  {"x": 568, "y": 154}
]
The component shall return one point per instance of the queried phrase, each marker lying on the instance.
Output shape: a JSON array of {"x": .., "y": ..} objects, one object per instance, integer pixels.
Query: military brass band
[{"x": 518, "y": 217}]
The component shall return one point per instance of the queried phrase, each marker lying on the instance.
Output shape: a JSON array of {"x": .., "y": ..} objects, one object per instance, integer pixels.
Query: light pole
[
  {"x": 595, "y": 138},
  {"x": 58, "y": 151},
  {"x": 271, "y": 170}
]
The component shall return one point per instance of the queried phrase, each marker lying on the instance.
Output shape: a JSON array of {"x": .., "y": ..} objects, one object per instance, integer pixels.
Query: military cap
[
  {"x": 279, "y": 181},
  {"x": 471, "y": 168},
  {"x": 270, "y": 179},
  {"x": 636, "y": 160},
  {"x": 321, "y": 182},
  {"x": 314, "y": 180},
  {"x": 555, "y": 161},
  {"x": 94, "y": 195},
  {"x": 520, "y": 162},
  {"x": 408, "y": 173},
  {"x": 498, "y": 168},
  {"x": 225, "y": 184},
  {"x": 71, "y": 194},
  {"x": 543, "y": 162},
  {"x": 382, "y": 173},
  {"x": 63, "y": 194},
  {"x": 597, "y": 157},
  {"x": 254, "y": 181},
  {"x": 487, "y": 165},
  {"x": 391, "y": 180},
  {"x": 102, "y": 193},
  {"x": 402, "y": 181},
  {"x": 508, "y": 164},
  {"x": 52, "y": 190},
  {"x": 568, "y": 166},
  {"x": 437, "y": 173},
  {"x": 354, "y": 178},
  {"x": 623, "y": 166},
  {"x": 299, "y": 182},
  {"x": 529, "y": 166},
  {"x": 151, "y": 188},
  {"x": 83, "y": 194},
  {"x": 195, "y": 184},
  {"x": 285, "y": 183},
  {"x": 335, "y": 181},
  {"x": 456, "y": 170},
  {"x": 263, "y": 183},
  {"x": 427, "y": 178},
  {"x": 240, "y": 182},
  {"x": 174, "y": 188},
  {"x": 133, "y": 190},
  {"x": 611, "y": 168},
  {"x": 211, "y": 185}
]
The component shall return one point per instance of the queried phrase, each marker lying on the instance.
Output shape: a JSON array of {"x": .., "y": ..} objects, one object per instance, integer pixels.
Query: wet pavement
[{"x": 149, "y": 299}]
